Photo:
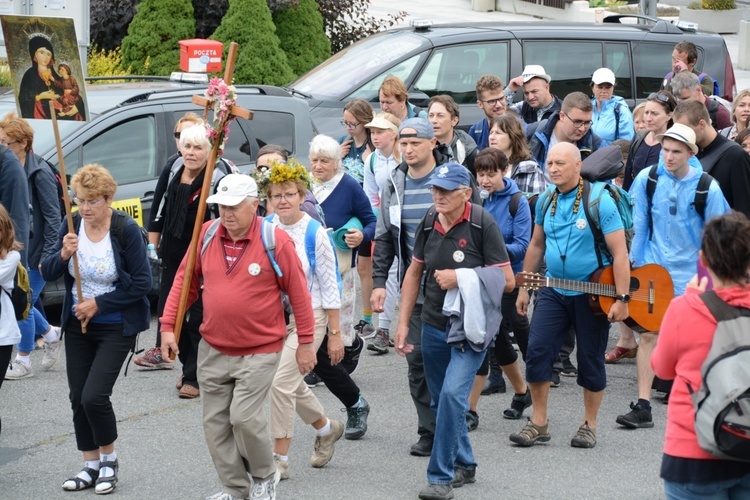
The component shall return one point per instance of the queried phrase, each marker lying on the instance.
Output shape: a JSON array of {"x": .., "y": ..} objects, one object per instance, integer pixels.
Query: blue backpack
[{"x": 701, "y": 76}]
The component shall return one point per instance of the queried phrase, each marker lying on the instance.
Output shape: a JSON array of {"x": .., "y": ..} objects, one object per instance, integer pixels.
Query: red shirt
[
  {"x": 682, "y": 346},
  {"x": 242, "y": 310}
]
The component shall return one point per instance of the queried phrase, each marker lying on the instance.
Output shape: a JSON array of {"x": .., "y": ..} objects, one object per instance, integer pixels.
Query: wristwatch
[
  {"x": 623, "y": 297},
  {"x": 334, "y": 332}
]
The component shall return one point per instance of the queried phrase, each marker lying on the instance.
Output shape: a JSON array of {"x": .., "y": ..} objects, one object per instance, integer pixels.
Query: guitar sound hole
[{"x": 635, "y": 283}]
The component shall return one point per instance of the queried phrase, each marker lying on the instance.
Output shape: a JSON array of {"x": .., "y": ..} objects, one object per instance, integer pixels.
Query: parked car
[
  {"x": 448, "y": 59},
  {"x": 131, "y": 134}
]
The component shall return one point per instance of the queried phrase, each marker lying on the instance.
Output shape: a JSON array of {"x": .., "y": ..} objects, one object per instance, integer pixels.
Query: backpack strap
[
  {"x": 372, "y": 163},
  {"x": 118, "y": 229},
  {"x": 637, "y": 141},
  {"x": 617, "y": 121},
  {"x": 310, "y": 234},
  {"x": 268, "y": 234},
  {"x": 653, "y": 178},
  {"x": 429, "y": 219},
  {"x": 515, "y": 199},
  {"x": 591, "y": 210},
  {"x": 701, "y": 194},
  {"x": 720, "y": 310},
  {"x": 210, "y": 233}
]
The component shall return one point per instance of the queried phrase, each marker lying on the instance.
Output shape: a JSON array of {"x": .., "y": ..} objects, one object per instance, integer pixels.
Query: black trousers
[
  {"x": 5, "y": 353},
  {"x": 420, "y": 393},
  {"x": 94, "y": 360},
  {"x": 190, "y": 337},
  {"x": 336, "y": 378}
]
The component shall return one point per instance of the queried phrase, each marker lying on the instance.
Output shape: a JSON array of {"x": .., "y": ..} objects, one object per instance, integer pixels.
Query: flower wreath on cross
[{"x": 223, "y": 97}]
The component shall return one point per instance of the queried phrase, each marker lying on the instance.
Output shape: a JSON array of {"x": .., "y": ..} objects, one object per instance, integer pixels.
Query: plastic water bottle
[{"x": 151, "y": 251}]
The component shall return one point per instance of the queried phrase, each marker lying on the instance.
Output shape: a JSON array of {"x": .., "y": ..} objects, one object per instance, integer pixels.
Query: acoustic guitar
[{"x": 651, "y": 291}]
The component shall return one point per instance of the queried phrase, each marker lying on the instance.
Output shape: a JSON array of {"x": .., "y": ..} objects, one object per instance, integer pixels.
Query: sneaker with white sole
[
  {"x": 18, "y": 370},
  {"x": 220, "y": 495},
  {"x": 153, "y": 360},
  {"x": 52, "y": 351},
  {"x": 380, "y": 342},
  {"x": 266, "y": 490},
  {"x": 282, "y": 466},
  {"x": 312, "y": 380},
  {"x": 324, "y": 445},
  {"x": 364, "y": 329}
]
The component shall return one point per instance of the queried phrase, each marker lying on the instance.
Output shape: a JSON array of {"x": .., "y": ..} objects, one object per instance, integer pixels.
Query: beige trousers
[
  {"x": 234, "y": 389},
  {"x": 288, "y": 390}
]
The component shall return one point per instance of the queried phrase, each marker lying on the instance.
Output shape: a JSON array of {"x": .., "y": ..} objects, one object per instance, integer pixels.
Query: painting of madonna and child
[{"x": 45, "y": 67}]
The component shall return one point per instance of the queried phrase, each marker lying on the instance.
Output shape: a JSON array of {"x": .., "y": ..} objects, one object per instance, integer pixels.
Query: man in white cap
[
  {"x": 240, "y": 351},
  {"x": 539, "y": 103},
  {"x": 673, "y": 201}
]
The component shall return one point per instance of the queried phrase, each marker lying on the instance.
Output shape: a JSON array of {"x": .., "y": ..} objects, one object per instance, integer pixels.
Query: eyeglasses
[
  {"x": 673, "y": 203},
  {"x": 177, "y": 135},
  {"x": 493, "y": 102},
  {"x": 580, "y": 123},
  {"x": 663, "y": 98},
  {"x": 347, "y": 124},
  {"x": 8, "y": 143},
  {"x": 286, "y": 196},
  {"x": 91, "y": 203}
]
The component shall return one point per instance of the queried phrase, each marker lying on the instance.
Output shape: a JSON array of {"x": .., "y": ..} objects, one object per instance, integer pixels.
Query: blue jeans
[
  {"x": 449, "y": 371},
  {"x": 731, "y": 489},
  {"x": 36, "y": 324}
]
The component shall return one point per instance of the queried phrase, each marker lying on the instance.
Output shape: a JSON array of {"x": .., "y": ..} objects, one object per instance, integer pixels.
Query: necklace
[
  {"x": 577, "y": 203},
  {"x": 576, "y": 206}
]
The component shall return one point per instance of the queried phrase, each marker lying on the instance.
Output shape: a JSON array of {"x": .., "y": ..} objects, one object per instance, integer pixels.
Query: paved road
[{"x": 163, "y": 454}]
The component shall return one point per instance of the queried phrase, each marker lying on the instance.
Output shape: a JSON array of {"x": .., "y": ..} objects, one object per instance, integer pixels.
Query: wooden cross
[{"x": 193, "y": 250}]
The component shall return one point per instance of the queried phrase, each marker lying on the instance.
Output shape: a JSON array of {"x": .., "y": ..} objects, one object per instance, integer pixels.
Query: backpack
[
  {"x": 699, "y": 200},
  {"x": 722, "y": 403},
  {"x": 59, "y": 185},
  {"x": 716, "y": 90},
  {"x": 20, "y": 296},
  {"x": 475, "y": 218},
  {"x": 118, "y": 231}
]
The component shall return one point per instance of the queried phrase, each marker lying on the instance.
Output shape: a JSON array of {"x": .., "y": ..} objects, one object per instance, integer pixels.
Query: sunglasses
[
  {"x": 177, "y": 135},
  {"x": 663, "y": 98}
]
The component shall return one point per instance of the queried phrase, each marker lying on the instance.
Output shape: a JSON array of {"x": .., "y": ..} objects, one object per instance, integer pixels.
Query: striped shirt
[{"x": 417, "y": 200}]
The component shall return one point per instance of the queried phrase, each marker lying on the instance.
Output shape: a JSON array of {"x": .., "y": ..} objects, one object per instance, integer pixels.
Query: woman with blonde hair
[{"x": 740, "y": 115}]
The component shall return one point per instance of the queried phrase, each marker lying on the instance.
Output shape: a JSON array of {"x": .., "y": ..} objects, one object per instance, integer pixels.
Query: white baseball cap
[
  {"x": 234, "y": 188},
  {"x": 535, "y": 71},
  {"x": 603, "y": 75}
]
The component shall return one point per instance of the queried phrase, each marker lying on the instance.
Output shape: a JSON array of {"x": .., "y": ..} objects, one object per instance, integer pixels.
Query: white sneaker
[
  {"x": 18, "y": 370},
  {"x": 52, "y": 351},
  {"x": 222, "y": 496},
  {"x": 266, "y": 490}
]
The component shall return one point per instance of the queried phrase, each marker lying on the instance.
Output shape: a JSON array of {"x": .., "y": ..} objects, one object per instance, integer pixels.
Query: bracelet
[{"x": 334, "y": 332}]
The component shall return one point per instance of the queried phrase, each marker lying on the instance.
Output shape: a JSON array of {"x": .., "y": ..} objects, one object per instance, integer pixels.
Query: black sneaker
[
  {"x": 463, "y": 476},
  {"x": 423, "y": 447},
  {"x": 356, "y": 423},
  {"x": 638, "y": 417},
  {"x": 472, "y": 421},
  {"x": 494, "y": 386},
  {"x": 568, "y": 369},
  {"x": 379, "y": 343},
  {"x": 351, "y": 355},
  {"x": 312, "y": 380},
  {"x": 555, "y": 380},
  {"x": 364, "y": 329}
]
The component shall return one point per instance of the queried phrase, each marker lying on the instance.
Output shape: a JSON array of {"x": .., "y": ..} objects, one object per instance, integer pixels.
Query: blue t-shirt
[{"x": 571, "y": 251}]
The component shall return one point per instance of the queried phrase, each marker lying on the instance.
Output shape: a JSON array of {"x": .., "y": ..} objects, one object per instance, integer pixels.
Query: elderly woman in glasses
[{"x": 114, "y": 278}]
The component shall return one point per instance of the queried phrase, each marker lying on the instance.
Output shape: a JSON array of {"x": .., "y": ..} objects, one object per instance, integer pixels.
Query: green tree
[
  {"x": 260, "y": 59},
  {"x": 300, "y": 31},
  {"x": 155, "y": 32}
]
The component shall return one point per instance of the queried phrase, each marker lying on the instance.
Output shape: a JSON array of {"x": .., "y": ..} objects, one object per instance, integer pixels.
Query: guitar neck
[{"x": 582, "y": 286}]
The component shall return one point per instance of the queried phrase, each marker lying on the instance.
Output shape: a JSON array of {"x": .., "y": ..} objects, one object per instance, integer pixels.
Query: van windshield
[{"x": 354, "y": 65}]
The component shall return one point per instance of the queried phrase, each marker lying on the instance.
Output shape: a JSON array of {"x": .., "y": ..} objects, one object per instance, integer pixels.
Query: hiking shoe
[
  {"x": 531, "y": 433},
  {"x": 356, "y": 423},
  {"x": 323, "y": 450},
  {"x": 423, "y": 447},
  {"x": 18, "y": 370},
  {"x": 351, "y": 355},
  {"x": 555, "y": 380},
  {"x": 52, "y": 351},
  {"x": 568, "y": 369},
  {"x": 364, "y": 329},
  {"x": 379, "y": 343},
  {"x": 282, "y": 466},
  {"x": 584, "y": 438},
  {"x": 436, "y": 492},
  {"x": 517, "y": 406},
  {"x": 638, "y": 417},
  {"x": 463, "y": 476},
  {"x": 312, "y": 380},
  {"x": 496, "y": 386},
  {"x": 472, "y": 420},
  {"x": 153, "y": 360}
]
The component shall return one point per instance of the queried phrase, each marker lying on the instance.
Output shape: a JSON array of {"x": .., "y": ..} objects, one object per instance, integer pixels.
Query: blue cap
[
  {"x": 451, "y": 176},
  {"x": 421, "y": 126}
]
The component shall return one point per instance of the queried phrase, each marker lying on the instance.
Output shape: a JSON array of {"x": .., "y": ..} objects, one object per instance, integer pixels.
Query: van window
[
  {"x": 128, "y": 150},
  {"x": 403, "y": 70},
  {"x": 455, "y": 70},
  {"x": 651, "y": 63},
  {"x": 617, "y": 58},
  {"x": 570, "y": 64},
  {"x": 266, "y": 127}
]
